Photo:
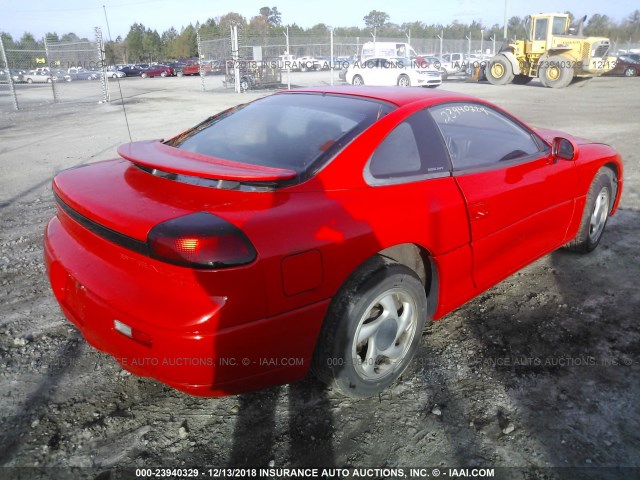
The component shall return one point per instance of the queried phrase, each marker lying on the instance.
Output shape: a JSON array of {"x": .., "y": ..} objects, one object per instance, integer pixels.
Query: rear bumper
[{"x": 186, "y": 335}]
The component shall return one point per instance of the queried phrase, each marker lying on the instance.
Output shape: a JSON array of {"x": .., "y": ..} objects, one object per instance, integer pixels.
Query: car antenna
[{"x": 124, "y": 110}]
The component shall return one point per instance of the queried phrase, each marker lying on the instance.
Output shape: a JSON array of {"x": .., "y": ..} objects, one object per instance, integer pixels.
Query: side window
[
  {"x": 412, "y": 151},
  {"x": 372, "y": 63},
  {"x": 558, "y": 26},
  {"x": 540, "y": 33},
  {"x": 477, "y": 136}
]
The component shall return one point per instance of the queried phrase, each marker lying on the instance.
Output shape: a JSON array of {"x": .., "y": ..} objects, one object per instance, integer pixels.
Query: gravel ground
[{"x": 540, "y": 371}]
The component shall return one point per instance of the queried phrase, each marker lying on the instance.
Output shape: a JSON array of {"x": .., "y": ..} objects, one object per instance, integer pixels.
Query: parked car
[
  {"x": 633, "y": 56},
  {"x": 17, "y": 75},
  {"x": 177, "y": 67},
  {"x": 193, "y": 68},
  {"x": 345, "y": 63},
  {"x": 298, "y": 64},
  {"x": 113, "y": 73},
  {"x": 392, "y": 71},
  {"x": 452, "y": 64},
  {"x": 327, "y": 63},
  {"x": 130, "y": 71},
  {"x": 309, "y": 64},
  {"x": 174, "y": 263},
  {"x": 431, "y": 60},
  {"x": 80, "y": 74},
  {"x": 625, "y": 65},
  {"x": 157, "y": 71},
  {"x": 37, "y": 77}
]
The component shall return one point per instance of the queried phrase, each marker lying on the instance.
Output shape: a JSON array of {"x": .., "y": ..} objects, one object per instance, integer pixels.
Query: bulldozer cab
[{"x": 541, "y": 29}]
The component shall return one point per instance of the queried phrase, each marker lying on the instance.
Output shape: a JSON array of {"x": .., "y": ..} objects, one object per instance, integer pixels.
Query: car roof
[{"x": 397, "y": 95}]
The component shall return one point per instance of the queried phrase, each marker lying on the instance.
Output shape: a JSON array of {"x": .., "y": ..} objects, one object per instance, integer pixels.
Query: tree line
[{"x": 143, "y": 44}]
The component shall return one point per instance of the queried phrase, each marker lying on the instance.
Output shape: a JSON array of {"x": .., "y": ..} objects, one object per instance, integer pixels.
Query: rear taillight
[{"x": 200, "y": 240}]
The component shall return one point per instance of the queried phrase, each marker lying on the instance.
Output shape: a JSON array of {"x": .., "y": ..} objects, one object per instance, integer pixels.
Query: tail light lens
[{"x": 200, "y": 240}]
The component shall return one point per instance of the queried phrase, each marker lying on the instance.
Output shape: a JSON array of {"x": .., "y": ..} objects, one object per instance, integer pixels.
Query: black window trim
[
  {"x": 411, "y": 178},
  {"x": 544, "y": 148},
  {"x": 499, "y": 165}
]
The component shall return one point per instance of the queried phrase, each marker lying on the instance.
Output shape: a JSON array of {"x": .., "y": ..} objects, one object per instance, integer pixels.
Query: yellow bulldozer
[{"x": 554, "y": 51}]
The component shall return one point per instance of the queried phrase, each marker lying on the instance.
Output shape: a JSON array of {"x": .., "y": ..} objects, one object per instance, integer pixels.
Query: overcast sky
[{"x": 80, "y": 16}]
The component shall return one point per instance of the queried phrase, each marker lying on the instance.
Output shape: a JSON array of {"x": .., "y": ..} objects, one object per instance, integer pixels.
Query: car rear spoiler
[{"x": 157, "y": 155}]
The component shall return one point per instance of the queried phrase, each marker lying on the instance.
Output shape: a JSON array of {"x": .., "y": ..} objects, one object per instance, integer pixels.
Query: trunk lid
[{"x": 129, "y": 200}]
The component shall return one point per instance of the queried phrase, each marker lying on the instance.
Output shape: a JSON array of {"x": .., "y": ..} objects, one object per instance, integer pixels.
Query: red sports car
[
  {"x": 314, "y": 228},
  {"x": 157, "y": 71}
]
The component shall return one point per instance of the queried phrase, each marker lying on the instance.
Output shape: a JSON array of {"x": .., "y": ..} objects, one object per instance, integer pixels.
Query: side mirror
[{"x": 563, "y": 148}]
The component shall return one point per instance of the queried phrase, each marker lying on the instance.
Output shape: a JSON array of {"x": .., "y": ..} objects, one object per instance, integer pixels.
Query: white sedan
[
  {"x": 393, "y": 71},
  {"x": 115, "y": 74}
]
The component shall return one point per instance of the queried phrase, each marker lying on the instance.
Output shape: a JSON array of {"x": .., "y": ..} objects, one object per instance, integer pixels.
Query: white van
[{"x": 387, "y": 50}]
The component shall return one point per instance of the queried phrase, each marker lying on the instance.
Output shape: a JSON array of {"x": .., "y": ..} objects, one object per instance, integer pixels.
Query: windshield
[{"x": 296, "y": 131}]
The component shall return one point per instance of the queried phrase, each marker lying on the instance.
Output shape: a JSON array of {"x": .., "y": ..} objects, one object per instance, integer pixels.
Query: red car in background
[
  {"x": 195, "y": 68},
  {"x": 627, "y": 65},
  {"x": 314, "y": 228},
  {"x": 157, "y": 71}
]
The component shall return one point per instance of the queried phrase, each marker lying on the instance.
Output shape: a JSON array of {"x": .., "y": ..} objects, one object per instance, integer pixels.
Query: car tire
[
  {"x": 600, "y": 200},
  {"x": 144, "y": 75},
  {"x": 630, "y": 72},
  {"x": 521, "y": 79},
  {"x": 404, "y": 81},
  {"x": 49, "y": 80},
  {"x": 357, "y": 80},
  {"x": 555, "y": 72},
  {"x": 500, "y": 70},
  {"x": 385, "y": 306},
  {"x": 245, "y": 84},
  {"x": 163, "y": 74},
  {"x": 29, "y": 80}
]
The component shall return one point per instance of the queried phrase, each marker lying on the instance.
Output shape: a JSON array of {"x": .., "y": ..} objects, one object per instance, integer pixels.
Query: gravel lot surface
[{"x": 540, "y": 371}]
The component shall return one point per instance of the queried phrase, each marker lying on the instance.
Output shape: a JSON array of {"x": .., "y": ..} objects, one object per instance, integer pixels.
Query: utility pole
[
  {"x": 331, "y": 58},
  {"x": 286, "y": 34},
  {"x": 505, "y": 20},
  {"x": 235, "y": 54}
]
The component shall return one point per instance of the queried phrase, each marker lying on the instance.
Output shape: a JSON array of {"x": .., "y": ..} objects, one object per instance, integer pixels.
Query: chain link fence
[
  {"x": 275, "y": 60},
  {"x": 214, "y": 53},
  {"x": 57, "y": 72}
]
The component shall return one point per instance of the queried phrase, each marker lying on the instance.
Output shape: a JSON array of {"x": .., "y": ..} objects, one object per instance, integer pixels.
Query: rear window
[{"x": 296, "y": 131}]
